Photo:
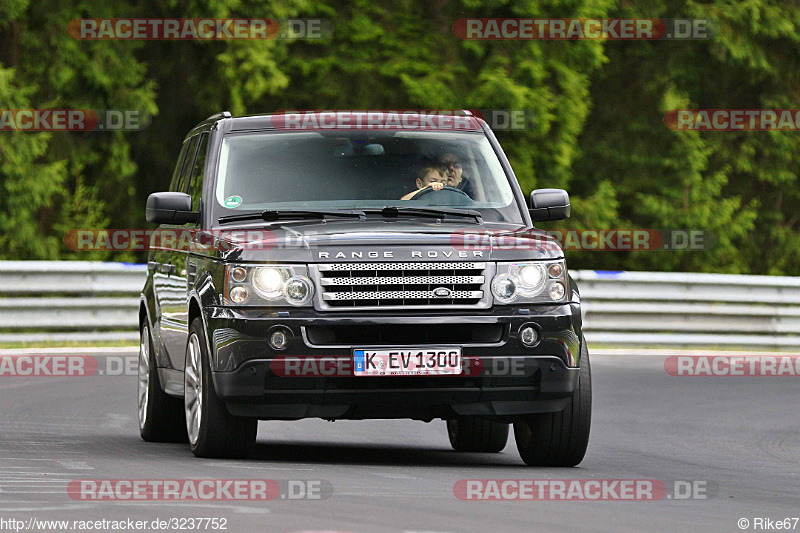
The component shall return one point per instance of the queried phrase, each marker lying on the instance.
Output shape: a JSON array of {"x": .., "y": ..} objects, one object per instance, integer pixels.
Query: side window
[
  {"x": 173, "y": 184},
  {"x": 187, "y": 164},
  {"x": 196, "y": 183}
]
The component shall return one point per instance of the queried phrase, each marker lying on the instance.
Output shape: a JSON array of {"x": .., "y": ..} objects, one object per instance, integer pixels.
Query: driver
[
  {"x": 429, "y": 175},
  {"x": 454, "y": 173}
]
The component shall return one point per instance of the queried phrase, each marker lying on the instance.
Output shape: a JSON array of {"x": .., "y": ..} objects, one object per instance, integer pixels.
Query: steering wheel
[{"x": 445, "y": 196}]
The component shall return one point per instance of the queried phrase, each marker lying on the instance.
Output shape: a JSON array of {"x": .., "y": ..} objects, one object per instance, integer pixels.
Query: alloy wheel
[{"x": 193, "y": 389}]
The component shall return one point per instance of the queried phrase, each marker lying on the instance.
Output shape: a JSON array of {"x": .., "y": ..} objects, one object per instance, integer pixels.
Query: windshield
[{"x": 361, "y": 170}]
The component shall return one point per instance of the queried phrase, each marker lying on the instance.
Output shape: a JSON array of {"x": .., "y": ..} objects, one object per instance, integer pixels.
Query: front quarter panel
[
  {"x": 577, "y": 314},
  {"x": 150, "y": 303},
  {"x": 206, "y": 293}
]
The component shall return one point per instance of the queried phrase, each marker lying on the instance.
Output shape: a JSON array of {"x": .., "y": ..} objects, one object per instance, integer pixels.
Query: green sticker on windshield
[{"x": 232, "y": 201}]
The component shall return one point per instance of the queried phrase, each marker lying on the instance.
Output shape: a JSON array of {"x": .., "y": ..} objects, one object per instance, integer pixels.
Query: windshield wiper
[
  {"x": 272, "y": 215},
  {"x": 395, "y": 212}
]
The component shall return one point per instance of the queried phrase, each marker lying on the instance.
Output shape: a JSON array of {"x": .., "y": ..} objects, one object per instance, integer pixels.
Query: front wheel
[
  {"x": 160, "y": 415},
  {"x": 559, "y": 439},
  {"x": 213, "y": 432}
]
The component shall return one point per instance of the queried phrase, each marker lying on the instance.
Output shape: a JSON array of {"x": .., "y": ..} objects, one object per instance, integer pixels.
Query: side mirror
[
  {"x": 549, "y": 204},
  {"x": 170, "y": 208}
]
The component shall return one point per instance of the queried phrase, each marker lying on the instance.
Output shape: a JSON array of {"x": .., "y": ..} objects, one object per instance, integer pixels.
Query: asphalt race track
[{"x": 739, "y": 437}]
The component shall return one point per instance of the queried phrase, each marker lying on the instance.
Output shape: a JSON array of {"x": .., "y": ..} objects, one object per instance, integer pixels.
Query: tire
[
  {"x": 474, "y": 434},
  {"x": 559, "y": 439},
  {"x": 160, "y": 415},
  {"x": 211, "y": 430}
]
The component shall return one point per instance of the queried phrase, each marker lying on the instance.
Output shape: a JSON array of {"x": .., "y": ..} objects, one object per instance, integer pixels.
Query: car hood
[{"x": 382, "y": 241}]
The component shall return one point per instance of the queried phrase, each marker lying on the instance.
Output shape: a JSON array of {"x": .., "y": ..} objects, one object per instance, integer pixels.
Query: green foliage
[
  {"x": 29, "y": 186},
  {"x": 597, "y": 110}
]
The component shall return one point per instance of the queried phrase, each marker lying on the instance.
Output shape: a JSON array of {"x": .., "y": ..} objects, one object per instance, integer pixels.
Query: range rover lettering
[{"x": 356, "y": 273}]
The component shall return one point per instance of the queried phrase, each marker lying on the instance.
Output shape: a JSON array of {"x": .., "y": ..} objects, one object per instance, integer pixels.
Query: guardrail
[
  {"x": 689, "y": 309},
  {"x": 69, "y": 301},
  {"x": 92, "y": 301}
]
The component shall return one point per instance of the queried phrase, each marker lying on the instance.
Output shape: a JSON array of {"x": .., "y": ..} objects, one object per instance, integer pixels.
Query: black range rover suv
[{"x": 345, "y": 265}]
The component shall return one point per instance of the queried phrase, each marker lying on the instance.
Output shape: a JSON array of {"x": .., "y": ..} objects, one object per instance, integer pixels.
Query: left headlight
[
  {"x": 530, "y": 282},
  {"x": 272, "y": 285}
]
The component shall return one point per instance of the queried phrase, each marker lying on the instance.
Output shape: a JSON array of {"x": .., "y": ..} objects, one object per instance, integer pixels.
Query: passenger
[
  {"x": 428, "y": 176},
  {"x": 454, "y": 173}
]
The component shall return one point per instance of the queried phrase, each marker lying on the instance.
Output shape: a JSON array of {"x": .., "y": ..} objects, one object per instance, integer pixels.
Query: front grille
[{"x": 401, "y": 285}]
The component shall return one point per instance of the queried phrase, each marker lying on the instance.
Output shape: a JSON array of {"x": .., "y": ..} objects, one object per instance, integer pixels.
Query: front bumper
[{"x": 503, "y": 378}]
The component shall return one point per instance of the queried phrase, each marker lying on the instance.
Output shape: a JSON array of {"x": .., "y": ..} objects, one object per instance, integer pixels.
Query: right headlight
[
  {"x": 268, "y": 281},
  {"x": 530, "y": 282},
  {"x": 272, "y": 285}
]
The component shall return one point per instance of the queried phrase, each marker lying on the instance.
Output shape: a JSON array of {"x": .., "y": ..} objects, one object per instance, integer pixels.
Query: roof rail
[{"x": 216, "y": 116}]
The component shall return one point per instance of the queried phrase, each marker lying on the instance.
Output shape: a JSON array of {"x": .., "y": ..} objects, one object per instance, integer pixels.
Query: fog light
[
  {"x": 238, "y": 295},
  {"x": 555, "y": 270},
  {"x": 557, "y": 291},
  {"x": 528, "y": 336},
  {"x": 279, "y": 339}
]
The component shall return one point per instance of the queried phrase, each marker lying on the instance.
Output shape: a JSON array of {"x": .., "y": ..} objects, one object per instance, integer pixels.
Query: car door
[
  {"x": 154, "y": 258},
  {"x": 196, "y": 192},
  {"x": 171, "y": 285},
  {"x": 183, "y": 266}
]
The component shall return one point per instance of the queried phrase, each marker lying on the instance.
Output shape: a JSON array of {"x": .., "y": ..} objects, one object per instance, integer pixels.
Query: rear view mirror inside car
[{"x": 360, "y": 150}]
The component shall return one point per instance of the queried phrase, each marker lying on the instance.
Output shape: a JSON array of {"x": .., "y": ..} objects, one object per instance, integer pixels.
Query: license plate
[{"x": 407, "y": 362}]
